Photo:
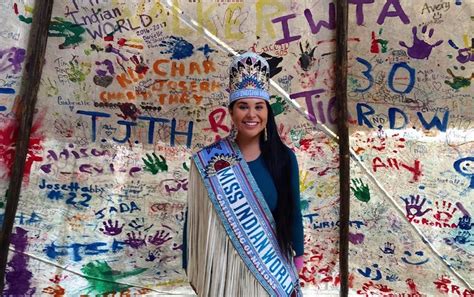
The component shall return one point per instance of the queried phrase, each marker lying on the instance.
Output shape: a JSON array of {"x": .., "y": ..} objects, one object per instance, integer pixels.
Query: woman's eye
[{"x": 242, "y": 107}]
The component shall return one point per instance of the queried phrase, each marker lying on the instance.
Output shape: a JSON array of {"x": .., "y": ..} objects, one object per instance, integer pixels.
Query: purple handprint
[
  {"x": 110, "y": 228},
  {"x": 12, "y": 58},
  {"x": 414, "y": 206},
  {"x": 160, "y": 238},
  {"x": 135, "y": 241},
  {"x": 420, "y": 48}
]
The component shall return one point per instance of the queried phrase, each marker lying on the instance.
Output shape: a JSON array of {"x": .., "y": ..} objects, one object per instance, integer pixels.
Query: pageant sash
[{"x": 247, "y": 220}]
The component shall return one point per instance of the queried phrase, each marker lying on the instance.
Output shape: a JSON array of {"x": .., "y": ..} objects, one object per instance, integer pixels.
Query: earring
[
  {"x": 233, "y": 133},
  {"x": 265, "y": 134}
]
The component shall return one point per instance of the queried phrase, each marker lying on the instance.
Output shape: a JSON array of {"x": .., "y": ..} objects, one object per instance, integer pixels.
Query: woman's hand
[{"x": 299, "y": 263}]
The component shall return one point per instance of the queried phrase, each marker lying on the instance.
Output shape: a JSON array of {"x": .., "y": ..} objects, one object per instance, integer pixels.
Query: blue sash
[{"x": 247, "y": 220}]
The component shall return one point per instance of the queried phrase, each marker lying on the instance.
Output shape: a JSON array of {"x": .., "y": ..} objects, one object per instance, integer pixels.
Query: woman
[{"x": 244, "y": 218}]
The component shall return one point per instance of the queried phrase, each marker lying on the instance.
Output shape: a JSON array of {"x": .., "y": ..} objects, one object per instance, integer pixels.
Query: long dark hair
[{"x": 276, "y": 156}]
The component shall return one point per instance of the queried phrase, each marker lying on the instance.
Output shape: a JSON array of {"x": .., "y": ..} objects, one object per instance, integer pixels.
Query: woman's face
[{"x": 250, "y": 116}]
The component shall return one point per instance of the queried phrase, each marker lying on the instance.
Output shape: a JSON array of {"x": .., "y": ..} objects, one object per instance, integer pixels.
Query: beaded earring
[{"x": 233, "y": 133}]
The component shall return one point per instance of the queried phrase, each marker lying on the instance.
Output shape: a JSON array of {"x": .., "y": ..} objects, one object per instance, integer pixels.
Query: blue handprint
[
  {"x": 388, "y": 248},
  {"x": 177, "y": 47},
  {"x": 465, "y": 223},
  {"x": 420, "y": 48},
  {"x": 463, "y": 237}
]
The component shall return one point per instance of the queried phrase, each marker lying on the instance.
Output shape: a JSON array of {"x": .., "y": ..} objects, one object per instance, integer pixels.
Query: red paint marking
[
  {"x": 109, "y": 38},
  {"x": 121, "y": 41},
  {"x": 15, "y": 8},
  {"x": 216, "y": 120},
  {"x": 323, "y": 173},
  {"x": 8, "y": 137}
]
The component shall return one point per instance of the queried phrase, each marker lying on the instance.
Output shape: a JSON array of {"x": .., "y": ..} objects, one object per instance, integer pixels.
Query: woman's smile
[{"x": 250, "y": 124}]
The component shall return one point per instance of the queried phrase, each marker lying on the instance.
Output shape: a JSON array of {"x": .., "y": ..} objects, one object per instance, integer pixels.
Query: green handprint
[
  {"x": 71, "y": 32},
  {"x": 361, "y": 191},
  {"x": 155, "y": 164},
  {"x": 52, "y": 89},
  {"x": 458, "y": 81},
  {"x": 295, "y": 136},
  {"x": 279, "y": 106},
  {"x": 102, "y": 279},
  {"x": 78, "y": 72}
]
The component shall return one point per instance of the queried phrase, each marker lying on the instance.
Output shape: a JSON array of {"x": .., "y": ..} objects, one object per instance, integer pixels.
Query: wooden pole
[
  {"x": 25, "y": 107},
  {"x": 343, "y": 133}
]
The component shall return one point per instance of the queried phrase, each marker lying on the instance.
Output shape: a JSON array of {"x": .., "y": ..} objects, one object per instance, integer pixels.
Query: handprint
[
  {"x": 388, "y": 248},
  {"x": 11, "y": 59},
  {"x": 71, "y": 32},
  {"x": 63, "y": 128},
  {"x": 177, "y": 47},
  {"x": 444, "y": 212},
  {"x": 420, "y": 48},
  {"x": 57, "y": 290},
  {"x": 137, "y": 223},
  {"x": 155, "y": 164},
  {"x": 279, "y": 106},
  {"x": 458, "y": 81},
  {"x": 103, "y": 279},
  {"x": 78, "y": 72},
  {"x": 463, "y": 237},
  {"x": 160, "y": 238},
  {"x": 140, "y": 66},
  {"x": 361, "y": 191},
  {"x": 110, "y": 228},
  {"x": 51, "y": 89},
  {"x": 414, "y": 206},
  {"x": 152, "y": 255},
  {"x": 392, "y": 277},
  {"x": 135, "y": 241},
  {"x": 465, "y": 223},
  {"x": 306, "y": 59}
]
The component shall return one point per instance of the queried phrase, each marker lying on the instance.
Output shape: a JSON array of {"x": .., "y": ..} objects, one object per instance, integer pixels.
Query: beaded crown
[{"x": 249, "y": 77}]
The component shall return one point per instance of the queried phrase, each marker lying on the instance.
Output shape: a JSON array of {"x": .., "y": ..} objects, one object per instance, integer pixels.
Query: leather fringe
[{"x": 214, "y": 266}]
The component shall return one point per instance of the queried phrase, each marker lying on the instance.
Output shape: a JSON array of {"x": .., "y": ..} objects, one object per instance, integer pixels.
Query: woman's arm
[{"x": 297, "y": 226}]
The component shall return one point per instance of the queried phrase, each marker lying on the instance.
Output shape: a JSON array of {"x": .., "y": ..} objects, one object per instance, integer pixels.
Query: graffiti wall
[
  {"x": 412, "y": 133},
  {"x": 129, "y": 90}
]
